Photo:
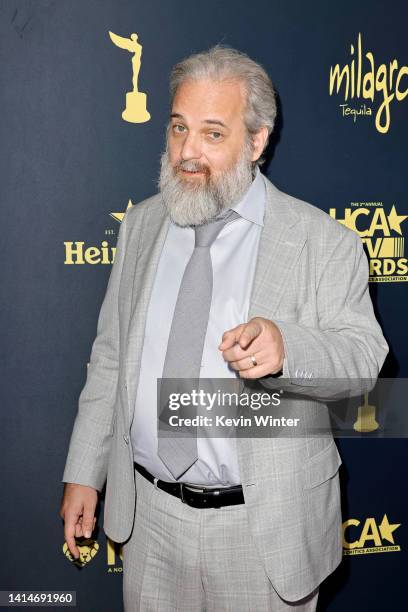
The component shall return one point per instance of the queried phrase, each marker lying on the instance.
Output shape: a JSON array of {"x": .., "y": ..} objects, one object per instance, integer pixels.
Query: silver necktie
[{"x": 178, "y": 450}]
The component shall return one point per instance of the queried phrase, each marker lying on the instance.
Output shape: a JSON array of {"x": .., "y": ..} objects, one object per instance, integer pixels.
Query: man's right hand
[{"x": 78, "y": 511}]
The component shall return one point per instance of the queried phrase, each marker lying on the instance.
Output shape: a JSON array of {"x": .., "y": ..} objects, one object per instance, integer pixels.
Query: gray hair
[{"x": 224, "y": 63}]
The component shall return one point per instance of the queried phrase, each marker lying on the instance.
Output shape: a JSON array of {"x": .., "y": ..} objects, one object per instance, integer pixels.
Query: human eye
[
  {"x": 216, "y": 136},
  {"x": 178, "y": 125}
]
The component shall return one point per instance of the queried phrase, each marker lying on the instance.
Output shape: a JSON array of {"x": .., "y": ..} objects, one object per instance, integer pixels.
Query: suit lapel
[
  {"x": 153, "y": 233},
  {"x": 281, "y": 242}
]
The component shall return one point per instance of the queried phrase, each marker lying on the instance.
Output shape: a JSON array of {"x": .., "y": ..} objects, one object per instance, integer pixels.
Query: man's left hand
[{"x": 259, "y": 338}]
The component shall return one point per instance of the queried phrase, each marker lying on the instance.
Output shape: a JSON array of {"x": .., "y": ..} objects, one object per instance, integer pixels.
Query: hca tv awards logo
[
  {"x": 363, "y": 537},
  {"x": 77, "y": 253},
  {"x": 368, "y": 88},
  {"x": 380, "y": 230}
]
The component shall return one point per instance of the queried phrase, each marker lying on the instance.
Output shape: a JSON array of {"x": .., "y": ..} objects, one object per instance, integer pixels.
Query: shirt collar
[{"x": 252, "y": 204}]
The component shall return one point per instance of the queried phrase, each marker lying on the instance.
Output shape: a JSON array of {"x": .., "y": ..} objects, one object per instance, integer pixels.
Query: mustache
[{"x": 191, "y": 166}]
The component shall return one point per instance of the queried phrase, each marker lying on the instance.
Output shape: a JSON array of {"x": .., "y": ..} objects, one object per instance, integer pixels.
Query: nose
[{"x": 191, "y": 148}]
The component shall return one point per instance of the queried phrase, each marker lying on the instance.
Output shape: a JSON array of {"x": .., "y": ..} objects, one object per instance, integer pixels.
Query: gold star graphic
[
  {"x": 119, "y": 216},
  {"x": 395, "y": 220},
  {"x": 386, "y": 529}
]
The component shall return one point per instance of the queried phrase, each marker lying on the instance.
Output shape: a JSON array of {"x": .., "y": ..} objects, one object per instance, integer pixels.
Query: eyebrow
[{"x": 209, "y": 121}]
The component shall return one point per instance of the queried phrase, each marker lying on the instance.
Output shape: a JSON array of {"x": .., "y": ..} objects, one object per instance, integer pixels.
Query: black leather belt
[{"x": 197, "y": 497}]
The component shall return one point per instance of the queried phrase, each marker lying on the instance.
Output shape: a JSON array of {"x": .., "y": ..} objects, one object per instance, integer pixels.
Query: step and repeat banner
[{"x": 84, "y": 105}]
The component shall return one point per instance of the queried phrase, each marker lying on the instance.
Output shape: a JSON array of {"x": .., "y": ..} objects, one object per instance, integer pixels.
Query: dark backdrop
[{"x": 70, "y": 163}]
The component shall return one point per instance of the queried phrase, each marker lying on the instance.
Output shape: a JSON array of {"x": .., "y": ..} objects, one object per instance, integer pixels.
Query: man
[{"x": 276, "y": 298}]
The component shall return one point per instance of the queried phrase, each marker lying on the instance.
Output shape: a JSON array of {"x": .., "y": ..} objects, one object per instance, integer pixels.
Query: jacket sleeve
[
  {"x": 347, "y": 350},
  {"x": 89, "y": 446}
]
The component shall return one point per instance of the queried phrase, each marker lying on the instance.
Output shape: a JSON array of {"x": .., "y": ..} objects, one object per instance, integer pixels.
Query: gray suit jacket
[{"x": 311, "y": 280}]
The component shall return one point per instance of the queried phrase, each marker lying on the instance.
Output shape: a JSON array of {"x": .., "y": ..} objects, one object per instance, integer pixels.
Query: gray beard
[{"x": 190, "y": 203}]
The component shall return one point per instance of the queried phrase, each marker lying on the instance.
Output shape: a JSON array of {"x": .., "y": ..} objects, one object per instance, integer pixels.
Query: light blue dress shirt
[{"x": 233, "y": 256}]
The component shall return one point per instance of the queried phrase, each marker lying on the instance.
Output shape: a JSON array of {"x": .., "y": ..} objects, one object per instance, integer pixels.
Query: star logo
[
  {"x": 395, "y": 220},
  {"x": 387, "y": 528},
  {"x": 118, "y": 216}
]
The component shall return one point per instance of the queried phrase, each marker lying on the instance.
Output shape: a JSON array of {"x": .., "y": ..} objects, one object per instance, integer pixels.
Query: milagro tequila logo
[
  {"x": 80, "y": 253},
  {"x": 361, "y": 80},
  {"x": 380, "y": 230}
]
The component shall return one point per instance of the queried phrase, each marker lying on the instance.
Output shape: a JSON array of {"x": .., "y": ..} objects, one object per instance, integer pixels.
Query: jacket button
[{"x": 126, "y": 438}]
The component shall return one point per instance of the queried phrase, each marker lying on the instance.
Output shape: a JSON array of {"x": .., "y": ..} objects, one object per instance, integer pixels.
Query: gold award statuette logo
[
  {"x": 135, "y": 111},
  {"x": 88, "y": 548},
  {"x": 366, "y": 418}
]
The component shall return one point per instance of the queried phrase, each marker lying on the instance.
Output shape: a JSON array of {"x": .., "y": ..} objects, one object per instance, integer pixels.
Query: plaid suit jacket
[{"x": 311, "y": 279}]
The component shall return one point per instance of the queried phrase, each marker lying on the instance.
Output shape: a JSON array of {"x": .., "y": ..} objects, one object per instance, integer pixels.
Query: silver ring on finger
[{"x": 253, "y": 360}]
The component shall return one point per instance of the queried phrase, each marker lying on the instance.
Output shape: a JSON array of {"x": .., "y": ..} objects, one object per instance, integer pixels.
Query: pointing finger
[
  {"x": 230, "y": 337},
  {"x": 251, "y": 330}
]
